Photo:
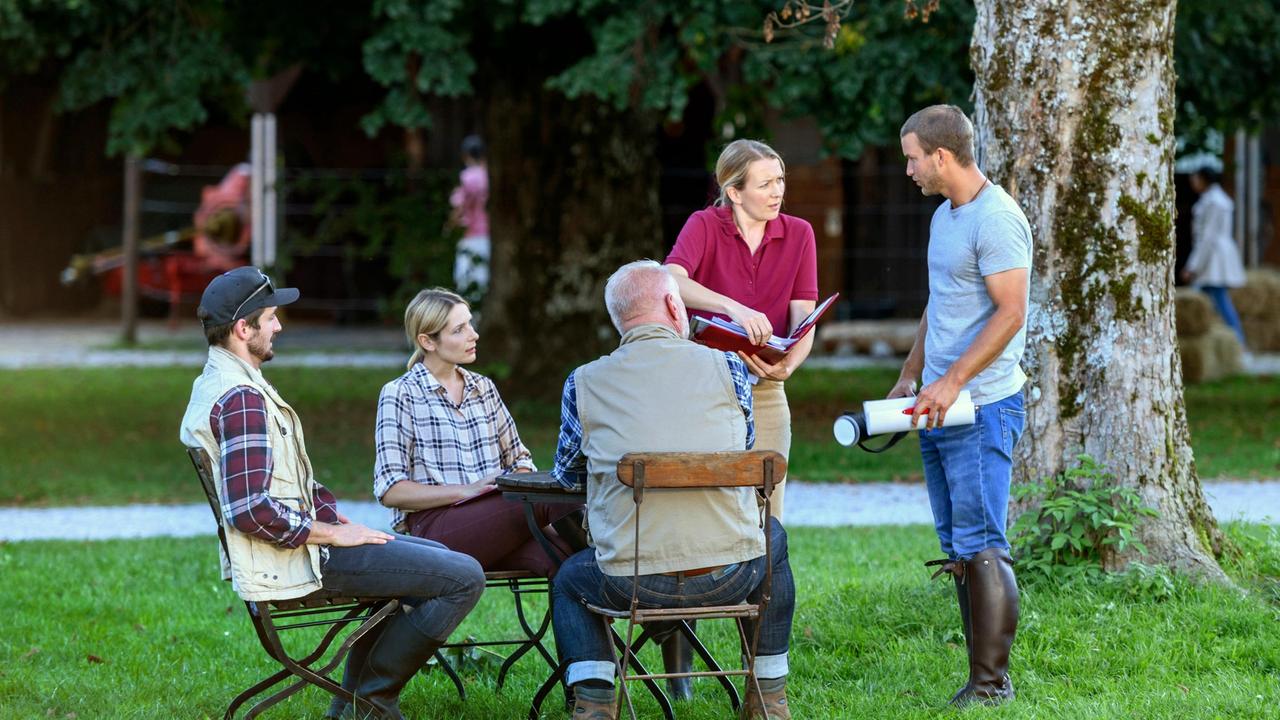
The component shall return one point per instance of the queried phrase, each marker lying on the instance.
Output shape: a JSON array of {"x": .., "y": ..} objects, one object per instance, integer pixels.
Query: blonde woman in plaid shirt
[{"x": 442, "y": 437}]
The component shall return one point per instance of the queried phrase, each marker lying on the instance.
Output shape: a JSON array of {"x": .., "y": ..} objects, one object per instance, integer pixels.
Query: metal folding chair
[
  {"x": 760, "y": 469},
  {"x": 271, "y": 618}
]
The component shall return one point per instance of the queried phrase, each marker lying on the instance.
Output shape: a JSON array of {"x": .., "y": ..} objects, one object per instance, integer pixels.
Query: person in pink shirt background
[
  {"x": 471, "y": 265},
  {"x": 744, "y": 259}
]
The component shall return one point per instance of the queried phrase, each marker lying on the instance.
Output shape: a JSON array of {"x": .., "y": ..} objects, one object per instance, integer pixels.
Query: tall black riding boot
[
  {"x": 392, "y": 662},
  {"x": 993, "y": 617},
  {"x": 677, "y": 656},
  {"x": 356, "y": 659},
  {"x": 570, "y": 527}
]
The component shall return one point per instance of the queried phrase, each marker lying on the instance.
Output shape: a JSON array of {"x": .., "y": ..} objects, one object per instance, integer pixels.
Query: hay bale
[
  {"x": 1227, "y": 353},
  {"x": 1211, "y": 356},
  {"x": 1260, "y": 297},
  {"x": 1261, "y": 334},
  {"x": 1197, "y": 358},
  {"x": 1194, "y": 312}
]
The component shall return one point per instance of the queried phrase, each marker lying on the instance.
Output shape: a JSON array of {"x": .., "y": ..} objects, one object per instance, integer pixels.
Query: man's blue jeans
[
  {"x": 584, "y": 643},
  {"x": 967, "y": 469}
]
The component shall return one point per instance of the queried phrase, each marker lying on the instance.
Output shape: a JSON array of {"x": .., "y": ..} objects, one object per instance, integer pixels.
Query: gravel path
[
  {"x": 815, "y": 505},
  {"x": 89, "y": 343}
]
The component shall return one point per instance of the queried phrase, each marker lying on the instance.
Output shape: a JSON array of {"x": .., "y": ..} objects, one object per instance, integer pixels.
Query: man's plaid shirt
[
  {"x": 570, "y": 466},
  {"x": 420, "y": 435},
  {"x": 241, "y": 426}
]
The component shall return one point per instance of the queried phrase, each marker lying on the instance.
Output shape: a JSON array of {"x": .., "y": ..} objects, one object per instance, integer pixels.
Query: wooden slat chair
[
  {"x": 271, "y": 618},
  {"x": 760, "y": 469}
]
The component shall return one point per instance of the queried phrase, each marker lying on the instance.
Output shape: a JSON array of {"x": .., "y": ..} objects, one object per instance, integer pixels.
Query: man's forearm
[{"x": 913, "y": 367}]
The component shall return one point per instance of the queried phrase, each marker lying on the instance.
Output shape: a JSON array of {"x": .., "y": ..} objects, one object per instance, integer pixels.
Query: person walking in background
[
  {"x": 970, "y": 338},
  {"x": 1214, "y": 264},
  {"x": 469, "y": 198},
  {"x": 441, "y": 439}
]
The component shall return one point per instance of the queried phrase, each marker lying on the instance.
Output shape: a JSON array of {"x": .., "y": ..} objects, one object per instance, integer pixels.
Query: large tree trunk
[
  {"x": 572, "y": 196},
  {"x": 1075, "y": 106}
]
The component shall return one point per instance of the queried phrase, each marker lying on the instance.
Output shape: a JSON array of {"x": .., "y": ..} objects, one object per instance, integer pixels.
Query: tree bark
[
  {"x": 1074, "y": 107},
  {"x": 572, "y": 196}
]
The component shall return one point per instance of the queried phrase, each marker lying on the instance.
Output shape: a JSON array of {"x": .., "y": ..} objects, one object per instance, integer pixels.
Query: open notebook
[{"x": 723, "y": 334}]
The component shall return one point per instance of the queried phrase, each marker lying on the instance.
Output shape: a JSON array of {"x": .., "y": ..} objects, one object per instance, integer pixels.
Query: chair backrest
[
  {"x": 761, "y": 469},
  {"x": 204, "y": 470}
]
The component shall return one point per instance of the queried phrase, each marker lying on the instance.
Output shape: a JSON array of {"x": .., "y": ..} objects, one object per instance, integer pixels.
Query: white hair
[{"x": 636, "y": 288}]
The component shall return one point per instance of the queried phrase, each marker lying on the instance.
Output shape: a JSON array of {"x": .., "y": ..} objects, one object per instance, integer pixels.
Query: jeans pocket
[{"x": 1012, "y": 422}]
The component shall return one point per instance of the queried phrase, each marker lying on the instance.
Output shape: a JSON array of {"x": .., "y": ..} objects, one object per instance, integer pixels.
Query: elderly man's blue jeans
[
  {"x": 584, "y": 643},
  {"x": 967, "y": 469}
]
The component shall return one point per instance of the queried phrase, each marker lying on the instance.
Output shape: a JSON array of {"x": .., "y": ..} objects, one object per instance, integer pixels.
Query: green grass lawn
[
  {"x": 144, "y": 629},
  {"x": 110, "y": 436}
]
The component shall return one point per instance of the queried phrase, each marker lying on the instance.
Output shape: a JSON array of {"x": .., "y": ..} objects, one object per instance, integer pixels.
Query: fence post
[{"x": 129, "y": 241}]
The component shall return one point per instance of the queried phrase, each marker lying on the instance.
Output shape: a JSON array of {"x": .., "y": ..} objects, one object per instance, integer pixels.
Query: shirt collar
[
  {"x": 223, "y": 358},
  {"x": 430, "y": 384},
  {"x": 772, "y": 229},
  {"x": 648, "y": 331}
]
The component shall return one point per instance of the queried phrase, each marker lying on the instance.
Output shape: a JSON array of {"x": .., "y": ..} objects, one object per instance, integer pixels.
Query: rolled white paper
[{"x": 885, "y": 416}]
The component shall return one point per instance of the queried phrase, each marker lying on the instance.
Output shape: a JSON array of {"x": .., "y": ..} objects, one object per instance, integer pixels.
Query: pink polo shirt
[{"x": 784, "y": 267}]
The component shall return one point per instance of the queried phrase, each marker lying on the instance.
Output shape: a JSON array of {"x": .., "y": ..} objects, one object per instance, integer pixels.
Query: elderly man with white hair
[{"x": 660, "y": 392}]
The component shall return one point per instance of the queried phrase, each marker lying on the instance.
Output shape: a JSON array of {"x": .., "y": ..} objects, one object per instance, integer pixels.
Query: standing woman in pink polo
[{"x": 744, "y": 259}]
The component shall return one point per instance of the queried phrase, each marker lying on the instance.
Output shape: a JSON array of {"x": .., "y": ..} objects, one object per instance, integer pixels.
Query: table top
[{"x": 541, "y": 483}]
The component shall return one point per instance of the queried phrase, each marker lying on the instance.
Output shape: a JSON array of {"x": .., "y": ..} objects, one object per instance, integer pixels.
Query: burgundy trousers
[{"x": 493, "y": 530}]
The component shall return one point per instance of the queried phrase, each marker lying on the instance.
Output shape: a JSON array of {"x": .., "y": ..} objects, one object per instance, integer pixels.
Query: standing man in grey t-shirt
[{"x": 970, "y": 338}]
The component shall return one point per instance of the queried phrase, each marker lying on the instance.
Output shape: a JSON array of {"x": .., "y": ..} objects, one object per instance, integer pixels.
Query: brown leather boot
[
  {"x": 594, "y": 704},
  {"x": 769, "y": 704},
  {"x": 993, "y": 617}
]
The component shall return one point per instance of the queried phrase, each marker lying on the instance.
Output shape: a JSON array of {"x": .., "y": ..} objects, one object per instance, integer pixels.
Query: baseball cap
[{"x": 237, "y": 293}]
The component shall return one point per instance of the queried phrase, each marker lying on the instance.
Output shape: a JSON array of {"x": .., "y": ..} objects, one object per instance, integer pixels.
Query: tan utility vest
[
  {"x": 660, "y": 393},
  {"x": 258, "y": 570}
]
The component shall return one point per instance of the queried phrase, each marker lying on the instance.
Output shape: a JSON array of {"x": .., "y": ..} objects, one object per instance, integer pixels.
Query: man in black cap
[{"x": 285, "y": 536}]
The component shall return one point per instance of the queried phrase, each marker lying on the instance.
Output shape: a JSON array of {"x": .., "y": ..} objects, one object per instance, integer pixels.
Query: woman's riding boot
[{"x": 571, "y": 529}]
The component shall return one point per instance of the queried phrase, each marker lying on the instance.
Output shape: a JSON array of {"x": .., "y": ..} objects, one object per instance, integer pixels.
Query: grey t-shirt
[{"x": 985, "y": 236}]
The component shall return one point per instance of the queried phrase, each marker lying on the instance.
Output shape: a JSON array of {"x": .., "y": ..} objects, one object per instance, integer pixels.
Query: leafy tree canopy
[
  {"x": 1227, "y": 54},
  {"x": 164, "y": 65}
]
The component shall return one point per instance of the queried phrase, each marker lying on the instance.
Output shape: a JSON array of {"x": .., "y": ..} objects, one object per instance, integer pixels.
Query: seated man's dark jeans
[{"x": 585, "y": 644}]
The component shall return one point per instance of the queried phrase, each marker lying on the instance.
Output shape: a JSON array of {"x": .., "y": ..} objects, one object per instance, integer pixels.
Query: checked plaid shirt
[
  {"x": 420, "y": 435},
  {"x": 570, "y": 466},
  {"x": 241, "y": 426}
]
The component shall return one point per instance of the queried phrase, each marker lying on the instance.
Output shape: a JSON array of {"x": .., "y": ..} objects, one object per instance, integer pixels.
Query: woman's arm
[
  {"x": 797, "y": 311},
  {"x": 512, "y": 453},
  {"x": 409, "y": 495},
  {"x": 697, "y": 297}
]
